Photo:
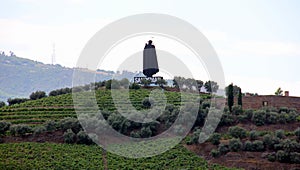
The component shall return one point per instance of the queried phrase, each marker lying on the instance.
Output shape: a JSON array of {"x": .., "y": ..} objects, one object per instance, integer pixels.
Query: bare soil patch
[{"x": 53, "y": 137}]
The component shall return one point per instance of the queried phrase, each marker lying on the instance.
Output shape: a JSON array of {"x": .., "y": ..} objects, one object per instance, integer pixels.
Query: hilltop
[{"x": 19, "y": 77}]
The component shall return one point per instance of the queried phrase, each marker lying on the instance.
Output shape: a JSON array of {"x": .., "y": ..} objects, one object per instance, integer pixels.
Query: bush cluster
[
  {"x": 37, "y": 95},
  {"x": 70, "y": 123},
  {"x": 4, "y": 126},
  {"x": 215, "y": 138},
  {"x": 235, "y": 145},
  {"x": 80, "y": 138},
  {"x": 20, "y": 130},
  {"x": 237, "y": 132}
]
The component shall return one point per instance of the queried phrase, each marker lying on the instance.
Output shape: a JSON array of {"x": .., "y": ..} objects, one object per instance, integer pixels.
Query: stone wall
[{"x": 257, "y": 102}]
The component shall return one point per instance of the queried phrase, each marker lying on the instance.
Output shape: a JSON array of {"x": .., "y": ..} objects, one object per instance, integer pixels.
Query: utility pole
[{"x": 53, "y": 55}]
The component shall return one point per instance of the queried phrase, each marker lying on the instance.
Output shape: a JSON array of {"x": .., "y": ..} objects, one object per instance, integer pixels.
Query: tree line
[{"x": 178, "y": 82}]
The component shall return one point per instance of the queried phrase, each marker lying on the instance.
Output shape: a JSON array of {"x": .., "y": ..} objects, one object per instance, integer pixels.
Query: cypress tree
[
  {"x": 240, "y": 98},
  {"x": 230, "y": 97}
]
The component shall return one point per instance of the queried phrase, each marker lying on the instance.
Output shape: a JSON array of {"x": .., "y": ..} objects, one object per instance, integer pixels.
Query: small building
[{"x": 259, "y": 101}]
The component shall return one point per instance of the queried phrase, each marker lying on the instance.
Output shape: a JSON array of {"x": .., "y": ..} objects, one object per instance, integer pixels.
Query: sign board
[{"x": 153, "y": 80}]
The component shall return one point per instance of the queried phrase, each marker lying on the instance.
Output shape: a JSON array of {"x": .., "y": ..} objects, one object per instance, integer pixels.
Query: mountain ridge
[{"x": 19, "y": 77}]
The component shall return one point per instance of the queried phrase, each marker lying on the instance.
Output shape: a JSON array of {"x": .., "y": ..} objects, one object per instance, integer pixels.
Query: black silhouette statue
[{"x": 150, "y": 65}]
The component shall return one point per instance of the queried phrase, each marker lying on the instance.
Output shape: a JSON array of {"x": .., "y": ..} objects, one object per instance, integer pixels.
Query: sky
[{"x": 257, "y": 41}]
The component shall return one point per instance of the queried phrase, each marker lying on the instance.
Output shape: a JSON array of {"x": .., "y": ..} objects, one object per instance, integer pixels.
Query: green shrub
[
  {"x": 248, "y": 146},
  {"x": 38, "y": 130},
  {"x": 292, "y": 110},
  {"x": 227, "y": 119},
  {"x": 279, "y": 133},
  {"x": 259, "y": 117},
  {"x": 249, "y": 114},
  {"x": 205, "y": 105},
  {"x": 215, "y": 153},
  {"x": 272, "y": 157},
  {"x": 70, "y": 123},
  {"x": 298, "y": 118},
  {"x": 242, "y": 118},
  {"x": 290, "y": 117},
  {"x": 4, "y": 126},
  {"x": 282, "y": 156},
  {"x": 20, "y": 130},
  {"x": 237, "y": 110},
  {"x": 283, "y": 110},
  {"x": 237, "y": 132},
  {"x": 271, "y": 109},
  {"x": 195, "y": 137},
  {"x": 253, "y": 135},
  {"x": 215, "y": 138},
  {"x": 51, "y": 125},
  {"x": 145, "y": 132},
  {"x": 281, "y": 118},
  {"x": 235, "y": 145},
  {"x": 295, "y": 157},
  {"x": 288, "y": 145},
  {"x": 297, "y": 133},
  {"x": 136, "y": 134},
  {"x": 272, "y": 118},
  {"x": 69, "y": 136},
  {"x": 134, "y": 86},
  {"x": 267, "y": 139},
  {"x": 83, "y": 138},
  {"x": 258, "y": 146},
  {"x": 147, "y": 103},
  {"x": 223, "y": 149}
]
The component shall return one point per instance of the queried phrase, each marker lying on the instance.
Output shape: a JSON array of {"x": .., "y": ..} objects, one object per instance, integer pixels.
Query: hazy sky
[{"x": 257, "y": 41}]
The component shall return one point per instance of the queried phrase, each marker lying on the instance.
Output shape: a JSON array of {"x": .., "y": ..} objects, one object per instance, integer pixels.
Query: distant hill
[{"x": 19, "y": 77}]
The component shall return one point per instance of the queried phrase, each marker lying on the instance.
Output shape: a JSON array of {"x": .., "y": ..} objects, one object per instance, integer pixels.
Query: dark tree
[
  {"x": 134, "y": 86},
  {"x": 60, "y": 91},
  {"x": 108, "y": 84},
  {"x": 230, "y": 97},
  {"x": 236, "y": 90},
  {"x": 279, "y": 92},
  {"x": 199, "y": 84},
  {"x": 2, "y": 104},
  {"x": 175, "y": 84},
  {"x": 37, "y": 95},
  {"x": 16, "y": 101},
  {"x": 211, "y": 86},
  {"x": 240, "y": 98},
  {"x": 161, "y": 82}
]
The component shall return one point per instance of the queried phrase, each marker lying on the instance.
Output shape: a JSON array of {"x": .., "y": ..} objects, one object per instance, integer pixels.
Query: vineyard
[
  {"x": 55, "y": 108},
  {"x": 60, "y": 156},
  {"x": 46, "y": 134},
  {"x": 56, "y": 111}
]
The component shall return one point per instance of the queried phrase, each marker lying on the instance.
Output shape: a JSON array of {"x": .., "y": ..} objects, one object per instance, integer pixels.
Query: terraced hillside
[
  {"x": 22, "y": 152},
  {"x": 267, "y": 138},
  {"x": 55, "y": 108}
]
